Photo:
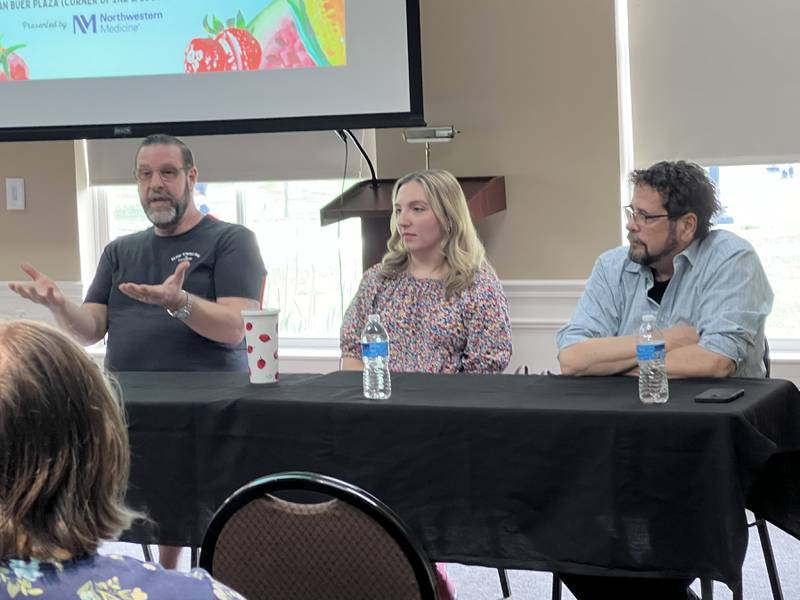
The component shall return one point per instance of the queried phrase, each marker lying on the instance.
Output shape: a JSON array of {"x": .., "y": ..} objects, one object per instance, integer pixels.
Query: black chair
[{"x": 302, "y": 536}]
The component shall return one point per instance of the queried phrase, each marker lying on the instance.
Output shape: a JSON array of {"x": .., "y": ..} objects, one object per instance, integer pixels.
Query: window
[
  {"x": 312, "y": 271},
  {"x": 761, "y": 203}
]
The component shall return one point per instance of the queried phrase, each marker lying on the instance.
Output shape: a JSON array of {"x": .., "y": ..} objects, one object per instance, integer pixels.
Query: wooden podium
[{"x": 485, "y": 196}]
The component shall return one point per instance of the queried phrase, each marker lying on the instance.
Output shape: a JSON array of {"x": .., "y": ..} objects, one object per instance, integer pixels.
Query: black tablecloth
[{"x": 541, "y": 472}]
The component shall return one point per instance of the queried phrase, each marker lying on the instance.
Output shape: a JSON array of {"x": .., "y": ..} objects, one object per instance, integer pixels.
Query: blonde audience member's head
[
  {"x": 460, "y": 247},
  {"x": 64, "y": 457}
]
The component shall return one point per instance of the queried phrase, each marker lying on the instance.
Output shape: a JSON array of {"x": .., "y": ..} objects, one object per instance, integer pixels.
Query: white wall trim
[
  {"x": 538, "y": 309},
  {"x": 537, "y": 324},
  {"x": 566, "y": 289}
]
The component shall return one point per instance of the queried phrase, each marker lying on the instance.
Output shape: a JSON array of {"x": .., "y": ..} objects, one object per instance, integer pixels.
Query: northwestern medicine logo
[{"x": 84, "y": 24}]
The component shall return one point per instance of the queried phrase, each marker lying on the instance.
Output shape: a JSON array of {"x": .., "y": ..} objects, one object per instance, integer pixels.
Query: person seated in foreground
[
  {"x": 437, "y": 296},
  {"x": 64, "y": 464},
  {"x": 711, "y": 298}
]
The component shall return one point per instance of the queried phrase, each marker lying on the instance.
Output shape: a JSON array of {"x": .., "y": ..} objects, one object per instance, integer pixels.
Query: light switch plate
[{"x": 15, "y": 193}]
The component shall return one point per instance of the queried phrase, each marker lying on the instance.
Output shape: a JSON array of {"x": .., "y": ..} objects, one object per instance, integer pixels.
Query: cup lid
[{"x": 263, "y": 312}]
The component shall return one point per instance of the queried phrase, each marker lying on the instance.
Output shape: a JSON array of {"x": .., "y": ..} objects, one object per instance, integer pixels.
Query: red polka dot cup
[{"x": 261, "y": 341}]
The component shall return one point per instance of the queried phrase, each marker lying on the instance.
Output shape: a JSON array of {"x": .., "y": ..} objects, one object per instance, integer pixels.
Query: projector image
[{"x": 424, "y": 135}]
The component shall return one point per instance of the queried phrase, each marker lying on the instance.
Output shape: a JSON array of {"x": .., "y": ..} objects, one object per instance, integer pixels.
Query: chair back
[{"x": 337, "y": 542}]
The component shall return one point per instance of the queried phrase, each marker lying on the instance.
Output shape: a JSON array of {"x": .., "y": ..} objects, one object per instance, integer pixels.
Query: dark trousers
[{"x": 588, "y": 587}]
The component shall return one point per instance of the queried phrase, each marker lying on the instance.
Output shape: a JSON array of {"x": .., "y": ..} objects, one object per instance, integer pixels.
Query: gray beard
[{"x": 168, "y": 219}]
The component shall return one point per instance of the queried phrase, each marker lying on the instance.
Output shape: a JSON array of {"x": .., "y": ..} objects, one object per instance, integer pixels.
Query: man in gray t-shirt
[{"x": 169, "y": 297}]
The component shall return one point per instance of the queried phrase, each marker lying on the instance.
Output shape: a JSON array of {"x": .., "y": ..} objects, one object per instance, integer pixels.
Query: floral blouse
[
  {"x": 106, "y": 578},
  {"x": 470, "y": 332}
]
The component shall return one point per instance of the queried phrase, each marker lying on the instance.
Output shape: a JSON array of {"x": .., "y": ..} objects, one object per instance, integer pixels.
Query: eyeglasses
[
  {"x": 641, "y": 218},
  {"x": 168, "y": 174}
]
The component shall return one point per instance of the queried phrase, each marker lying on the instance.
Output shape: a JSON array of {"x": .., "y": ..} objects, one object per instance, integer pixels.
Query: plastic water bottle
[
  {"x": 650, "y": 352},
  {"x": 375, "y": 355}
]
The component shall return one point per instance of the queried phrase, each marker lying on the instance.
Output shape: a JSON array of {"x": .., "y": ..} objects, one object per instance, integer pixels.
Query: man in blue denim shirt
[
  {"x": 711, "y": 298},
  {"x": 707, "y": 288}
]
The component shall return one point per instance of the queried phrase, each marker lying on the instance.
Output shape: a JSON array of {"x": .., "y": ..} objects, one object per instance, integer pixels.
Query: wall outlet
[{"x": 15, "y": 193}]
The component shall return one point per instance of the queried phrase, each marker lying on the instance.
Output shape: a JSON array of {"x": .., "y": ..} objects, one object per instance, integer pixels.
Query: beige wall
[
  {"x": 46, "y": 232},
  {"x": 532, "y": 86}
]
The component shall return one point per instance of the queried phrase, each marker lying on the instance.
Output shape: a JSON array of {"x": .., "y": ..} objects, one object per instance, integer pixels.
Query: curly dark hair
[{"x": 684, "y": 188}]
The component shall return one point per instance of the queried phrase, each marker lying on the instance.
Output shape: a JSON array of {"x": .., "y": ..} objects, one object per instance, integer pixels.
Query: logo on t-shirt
[{"x": 186, "y": 255}]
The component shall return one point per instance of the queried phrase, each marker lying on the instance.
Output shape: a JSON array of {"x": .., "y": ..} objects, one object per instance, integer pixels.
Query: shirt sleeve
[
  {"x": 355, "y": 317},
  {"x": 488, "y": 326},
  {"x": 734, "y": 306},
  {"x": 100, "y": 289},
  {"x": 239, "y": 269},
  {"x": 596, "y": 315}
]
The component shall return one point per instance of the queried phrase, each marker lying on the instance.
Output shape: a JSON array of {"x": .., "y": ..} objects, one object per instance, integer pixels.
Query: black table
[{"x": 537, "y": 472}]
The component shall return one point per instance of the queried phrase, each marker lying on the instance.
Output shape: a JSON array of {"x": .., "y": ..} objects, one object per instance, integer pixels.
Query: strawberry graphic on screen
[
  {"x": 12, "y": 66},
  {"x": 242, "y": 50},
  {"x": 204, "y": 55},
  {"x": 230, "y": 46}
]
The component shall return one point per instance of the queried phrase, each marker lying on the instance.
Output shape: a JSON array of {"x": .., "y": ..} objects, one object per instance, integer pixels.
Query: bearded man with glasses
[
  {"x": 169, "y": 297},
  {"x": 711, "y": 298}
]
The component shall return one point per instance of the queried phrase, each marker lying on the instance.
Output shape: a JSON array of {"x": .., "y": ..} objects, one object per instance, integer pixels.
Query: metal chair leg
[
  {"x": 556, "y": 593},
  {"x": 769, "y": 559},
  {"x": 707, "y": 588},
  {"x": 501, "y": 573},
  {"x": 737, "y": 591},
  {"x": 148, "y": 557}
]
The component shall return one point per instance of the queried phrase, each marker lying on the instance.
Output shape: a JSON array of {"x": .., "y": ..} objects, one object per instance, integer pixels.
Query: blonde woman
[
  {"x": 437, "y": 296},
  {"x": 64, "y": 463}
]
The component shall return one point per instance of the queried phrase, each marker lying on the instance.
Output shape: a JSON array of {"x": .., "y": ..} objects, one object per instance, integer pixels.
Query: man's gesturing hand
[
  {"x": 41, "y": 289},
  {"x": 168, "y": 294}
]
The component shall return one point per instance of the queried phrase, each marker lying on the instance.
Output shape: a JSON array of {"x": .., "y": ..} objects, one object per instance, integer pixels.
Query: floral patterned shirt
[
  {"x": 106, "y": 578},
  {"x": 469, "y": 332}
]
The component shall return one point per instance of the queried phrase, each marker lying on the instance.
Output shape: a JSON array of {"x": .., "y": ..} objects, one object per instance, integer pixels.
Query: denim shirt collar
[{"x": 690, "y": 254}]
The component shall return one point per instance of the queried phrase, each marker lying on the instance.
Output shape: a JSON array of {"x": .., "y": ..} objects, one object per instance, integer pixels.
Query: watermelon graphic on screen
[
  {"x": 301, "y": 33},
  {"x": 285, "y": 34}
]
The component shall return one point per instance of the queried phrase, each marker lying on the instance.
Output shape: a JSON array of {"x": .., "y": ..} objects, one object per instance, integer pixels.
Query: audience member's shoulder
[{"x": 155, "y": 580}]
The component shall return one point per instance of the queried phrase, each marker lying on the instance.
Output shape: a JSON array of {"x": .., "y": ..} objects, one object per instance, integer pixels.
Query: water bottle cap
[{"x": 648, "y": 317}]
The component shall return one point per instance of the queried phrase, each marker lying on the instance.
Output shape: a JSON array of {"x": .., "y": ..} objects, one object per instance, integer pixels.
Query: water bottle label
[
  {"x": 373, "y": 349},
  {"x": 651, "y": 351}
]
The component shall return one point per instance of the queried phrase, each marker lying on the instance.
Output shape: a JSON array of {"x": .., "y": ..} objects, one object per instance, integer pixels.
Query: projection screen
[{"x": 74, "y": 69}]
